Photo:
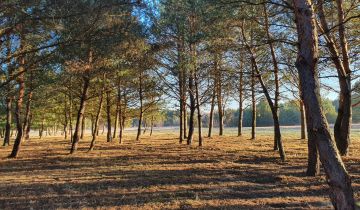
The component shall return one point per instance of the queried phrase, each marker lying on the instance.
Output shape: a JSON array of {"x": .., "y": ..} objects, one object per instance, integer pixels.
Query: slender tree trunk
[
  {"x": 70, "y": 115},
  {"x": 97, "y": 118},
  {"x": 18, "y": 108},
  {"x": 211, "y": 117},
  {"x": 276, "y": 79},
  {"x": 9, "y": 99},
  {"x": 343, "y": 121},
  {"x": 152, "y": 125},
  {"x": 342, "y": 135},
  {"x": 80, "y": 115},
  {"x": 268, "y": 98},
  {"x": 65, "y": 117},
  {"x": 116, "y": 120},
  {"x": 28, "y": 111},
  {"x": 218, "y": 86},
  {"x": 185, "y": 119},
  {"x": 192, "y": 108},
  {"x": 303, "y": 119},
  {"x": 198, "y": 102},
  {"x": 241, "y": 100},
  {"x": 41, "y": 132},
  {"x": 108, "y": 115},
  {"x": 8, "y": 120},
  {"x": 181, "y": 88},
  {"x": 141, "y": 107},
  {"x": 341, "y": 193},
  {"x": 82, "y": 128},
  {"x": 123, "y": 118},
  {"x": 253, "y": 103}
]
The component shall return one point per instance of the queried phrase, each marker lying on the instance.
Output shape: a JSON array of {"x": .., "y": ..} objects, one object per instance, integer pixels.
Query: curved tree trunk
[
  {"x": 341, "y": 193},
  {"x": 343, "y": 121},
  {"x": 18, "y": 109},
  {"x": 97, "y": 119},
  {"x": 80, "y": 115},
  {"x": 277, "y": 133},
  {"x": 8, "y": 121}
]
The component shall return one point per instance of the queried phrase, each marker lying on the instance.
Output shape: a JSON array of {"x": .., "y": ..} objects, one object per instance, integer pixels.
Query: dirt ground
[{"x": 158, "y": 173}]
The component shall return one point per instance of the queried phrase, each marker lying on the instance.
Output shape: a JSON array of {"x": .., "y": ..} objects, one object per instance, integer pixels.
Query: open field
[{"x": 158, "y": 173}]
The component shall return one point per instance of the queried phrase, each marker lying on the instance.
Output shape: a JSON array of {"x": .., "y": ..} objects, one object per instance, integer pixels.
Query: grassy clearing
[{"x": 228, "y": 172}]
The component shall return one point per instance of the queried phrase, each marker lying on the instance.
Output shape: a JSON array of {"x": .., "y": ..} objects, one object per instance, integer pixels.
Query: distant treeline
[{"x": 289, "y": 115}]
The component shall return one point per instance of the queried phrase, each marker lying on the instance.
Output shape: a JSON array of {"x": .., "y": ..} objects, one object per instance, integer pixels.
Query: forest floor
[{"x": 158, "y": 173}]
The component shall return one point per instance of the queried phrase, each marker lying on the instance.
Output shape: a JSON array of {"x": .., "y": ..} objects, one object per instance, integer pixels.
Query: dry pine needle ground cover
[{"x": 158, "y": 173}]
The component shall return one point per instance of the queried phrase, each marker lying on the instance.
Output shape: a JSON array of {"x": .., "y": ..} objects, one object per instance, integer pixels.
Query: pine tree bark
[
  {"x": 192, "y": 107},
  {"x": 253, "y": 104},
  {"x": 303, "y": 119},
  {"x": 97, "y": 118},
  {"x": 241, "y": 100},
  {"x": 341, "y": 192},
  {"x": 218, "y": 86},
  {"x": 108, "y": 115},
  {"x": 211, "y": 115},
  {"x": 277, "y": 135},
  {"x": 343, "y": 121},
  {"x": 199, "y": 118},
  {"x": 80, "y": 115},
  {"x": 19, "y": 104},
  {"x": 82, "y": 128},
  {"x": 141, "y": 112},
  {"x": 8, "y": 120},
  {"x": 9, "y": 100}
]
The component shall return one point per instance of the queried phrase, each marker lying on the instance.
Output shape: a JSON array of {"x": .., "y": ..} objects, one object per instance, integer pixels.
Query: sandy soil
[{"x": 159, "y": 173}]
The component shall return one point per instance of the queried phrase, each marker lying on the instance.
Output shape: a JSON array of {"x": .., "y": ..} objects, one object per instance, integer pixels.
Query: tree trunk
[
  {"x": 276, "y": 80},
  {"x": 181, "y": 87},
  {"x": 28, "y": 128},
  {"x": 97, "y": 119},
  {"x": 218, "y": 86},
  {"x": 303, "y": 119},
  {"x": 18, "y": 108},
  {"x": 152, "y": 125},
  {"x": 342, "y": 135},
  {"x": 241, "y": 100},
  {"x": 8, "y": 120},
  {"x": 123, "y": 118},
  {"x": 277, "y": 133},
  {"x": 343, "y": 121},
  {"x": 70, "y": 115},
  {"x": 82, "y": 128},
  {"x": 80, "y": 115},
  {"x": 116, "y": 120},
  {"x": 341, "y": 193},
  {"x": 141, "y": 107},
  {"x": 253, "y": 103},
  {"x": 198, "y": 103},
  {"x": 192, "y": 108},
  {"x": 185, "y": 118},
  {"x": 108, "y": 116},
  {"x": 211, "y": 117}
]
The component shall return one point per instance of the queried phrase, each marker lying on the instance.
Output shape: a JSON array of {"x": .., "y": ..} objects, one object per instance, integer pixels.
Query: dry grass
[{"x": 158, "y": 173}]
